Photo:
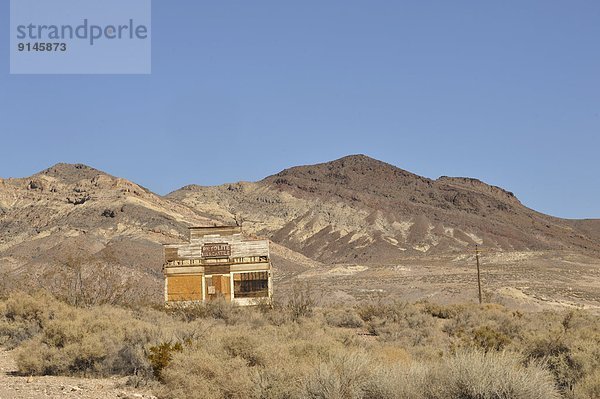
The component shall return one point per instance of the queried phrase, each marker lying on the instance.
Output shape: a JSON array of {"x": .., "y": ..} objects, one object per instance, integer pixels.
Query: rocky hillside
[
  {"x": 70, "y": 220},
  {"x": 359, "y": 209},
  {"x": 71, "y": 226}
]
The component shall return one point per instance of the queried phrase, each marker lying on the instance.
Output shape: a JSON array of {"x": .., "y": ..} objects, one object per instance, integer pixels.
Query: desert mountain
[
  {"x": 73, "y": 225},
  {"x": 69, "y": 216},
  {"x": 358, "y": 209}
]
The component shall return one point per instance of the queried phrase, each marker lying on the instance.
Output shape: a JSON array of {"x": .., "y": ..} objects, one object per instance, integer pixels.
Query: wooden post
[{"x": 478, "y": 274}]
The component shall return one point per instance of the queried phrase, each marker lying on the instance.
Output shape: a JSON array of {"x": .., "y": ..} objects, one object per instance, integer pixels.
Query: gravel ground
[{"x": 14, "y": 386}]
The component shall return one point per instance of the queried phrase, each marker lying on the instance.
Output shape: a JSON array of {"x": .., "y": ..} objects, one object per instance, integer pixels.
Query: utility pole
[{"x": 478, "y": 273}]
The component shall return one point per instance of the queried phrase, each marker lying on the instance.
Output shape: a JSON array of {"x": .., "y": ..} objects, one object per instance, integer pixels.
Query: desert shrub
[
  {"x": 245, "y": 346},
  {"x": 296, "y": 350},
  {"x": 23, "y": 316},
  {"x": 439, "y": 311},
  {"x": 468, "y": 322},
  {"x": 495, "y": 375},
  {"x": 186, "y": 312},
  {"x": 371, "y": 311},
  {"x": 501, "y": 319},
  {"x": 460, "y": 323},
  {"x": 161, "y": 355},
  {"x": 559, "y": 358},
  {"x": 277, "y": 311},
  {"x": 221, "y": 309},
  {"x": 277, "y": 316},
  {"x": 280, "y": 380},
  {"x": 403, "y": 324},
  {"x": 343, "y": 376},
  {"x": 346, "y": 318},
  {"x": 263, "y": 305},
  {"x": 397, "y": 382},
  {"x": 198, "y": 374},
  {"x": 396, "y": 311},
  {"x": 467, "y": 375},
  {"x": 79, "y": 342},
  {"x": 59, "y": 339},
  {"x": 21, "y": 306},
  {"x": 488, "y": 339},
  {"x": 300, "y": 303},
  {"x": 569, "y": 342},
  {"x": 589, "y": 386},
  {"x": 264, "y": 361},
  {"x": 88, "y": 281},
  {"x": 216, "y": 309},
  {"x": 12, "y": 333}
]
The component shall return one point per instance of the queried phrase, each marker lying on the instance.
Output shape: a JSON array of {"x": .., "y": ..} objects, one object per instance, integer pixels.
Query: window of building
[{"x": 251, "y": 285}]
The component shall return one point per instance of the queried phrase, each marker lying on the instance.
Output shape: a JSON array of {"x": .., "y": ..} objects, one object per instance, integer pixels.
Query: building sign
[{"x": 216, "y": 250}]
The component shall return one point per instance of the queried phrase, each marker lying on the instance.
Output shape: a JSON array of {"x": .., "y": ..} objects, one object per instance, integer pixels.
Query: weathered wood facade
[{"x": 218, "y": 262}]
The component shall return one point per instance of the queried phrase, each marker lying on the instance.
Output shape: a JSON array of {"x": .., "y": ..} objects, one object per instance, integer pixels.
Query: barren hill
[
  {"x": 341, "y": 224},
  {"x": 359, "y": 209},
  {"x": 72, "y": 215}
]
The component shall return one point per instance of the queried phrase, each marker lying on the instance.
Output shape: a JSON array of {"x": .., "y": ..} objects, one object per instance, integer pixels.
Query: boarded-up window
[
  {"x": 251, "y": 285},
  {"x": 184, "y": 288}
]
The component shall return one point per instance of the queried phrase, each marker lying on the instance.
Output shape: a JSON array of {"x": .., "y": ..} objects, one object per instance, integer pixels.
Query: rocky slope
[
  {"x": 70, "y": 220},
  {"x": 71, "y": 226},
  {"x": 359, "y": 209}
]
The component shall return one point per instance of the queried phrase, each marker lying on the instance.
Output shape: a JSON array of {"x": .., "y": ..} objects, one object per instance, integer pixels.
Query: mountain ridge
[
  {"x": 359, "y": 202},
  {"x": 354, "y": 210}
]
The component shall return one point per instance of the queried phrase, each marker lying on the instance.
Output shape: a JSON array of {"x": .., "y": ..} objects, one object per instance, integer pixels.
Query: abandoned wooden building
[{"x": 218, "y": 262}]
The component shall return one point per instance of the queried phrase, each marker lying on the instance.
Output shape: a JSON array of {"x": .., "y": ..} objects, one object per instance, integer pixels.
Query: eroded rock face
[
  {"x": 352, "y": 210},
  {"x": 360, "y": 209},
  {"x": 77, "y": 212}
]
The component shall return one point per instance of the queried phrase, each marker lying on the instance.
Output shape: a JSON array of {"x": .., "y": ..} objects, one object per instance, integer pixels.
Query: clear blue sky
[{"x": 504, "y": 91}]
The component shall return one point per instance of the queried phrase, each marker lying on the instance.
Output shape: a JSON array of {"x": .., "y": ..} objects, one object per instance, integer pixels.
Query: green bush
[{"x": 161, "y": 355}]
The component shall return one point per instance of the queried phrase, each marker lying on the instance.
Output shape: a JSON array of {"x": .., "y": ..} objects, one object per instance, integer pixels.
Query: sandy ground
[
  {"x": 17, "y": 387},
  {"x": 525, "y": 280}
]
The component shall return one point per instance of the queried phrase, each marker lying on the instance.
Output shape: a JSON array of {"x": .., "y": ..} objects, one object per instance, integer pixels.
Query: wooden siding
[
  {"x": 221, "y": 283},
  {"x": 184, "y": 288},
  {"x": 217, "y": 269},
  {"x": 218, "y": 286},
  {"x": 250, "y": 248},
  {"x": 250, "y": 267},
  {"x": 191, "y": 275},
  {"x": 183, "y": 270},
  {"x": 199, "y": 232},
  {"x": 171, "y": 252},
  {"x": 239, "y": 248}
]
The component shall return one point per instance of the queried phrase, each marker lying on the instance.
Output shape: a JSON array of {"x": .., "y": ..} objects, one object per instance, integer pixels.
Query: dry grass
[
  {"x": 495, "y": 375},
  {"x": 295, "y": 350}
]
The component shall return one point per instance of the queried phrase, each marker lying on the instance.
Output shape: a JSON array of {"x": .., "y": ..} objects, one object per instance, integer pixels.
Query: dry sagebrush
[{"x": 373, "y": 350}]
